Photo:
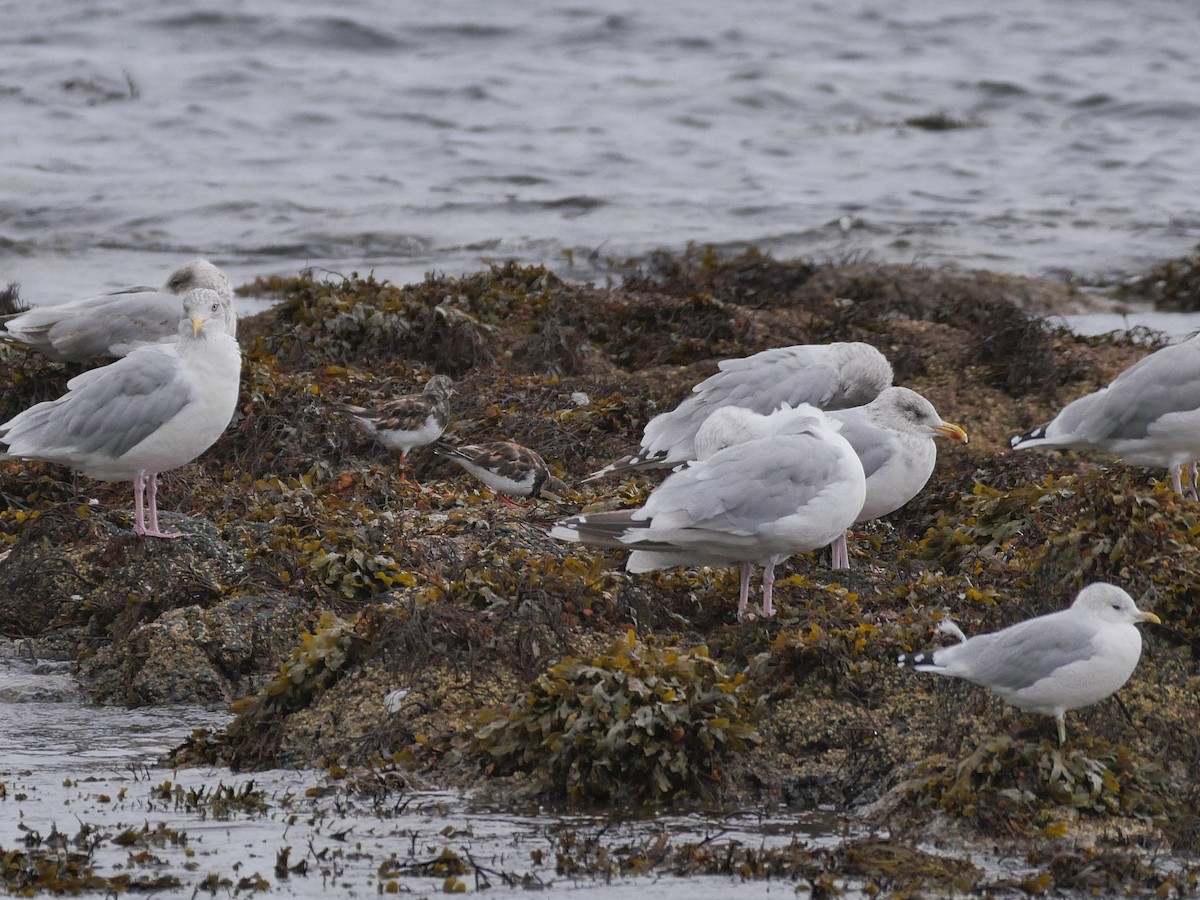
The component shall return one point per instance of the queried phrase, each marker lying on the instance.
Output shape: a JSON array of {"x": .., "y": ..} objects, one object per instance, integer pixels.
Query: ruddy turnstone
[
  {"x": 407, "y": 422},
  {"x": 507, "y": 468}
]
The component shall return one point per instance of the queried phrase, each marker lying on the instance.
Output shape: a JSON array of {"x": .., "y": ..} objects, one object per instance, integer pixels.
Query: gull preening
[
  {"x": 1148, "y": 415},
  {"x": 827, "y": 376},
  {"x": 1053, "y": 663},
  {"x": 113, "y": 324},
  {"x": 153, "y": 410},
  {"x": 754, "y": 502}
]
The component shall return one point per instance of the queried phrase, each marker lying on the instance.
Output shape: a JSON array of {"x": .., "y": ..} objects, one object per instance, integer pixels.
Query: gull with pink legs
[{"x": 153, "y": 410}]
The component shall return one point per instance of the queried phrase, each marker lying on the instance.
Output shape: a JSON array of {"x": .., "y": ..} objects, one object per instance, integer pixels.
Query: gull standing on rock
[
  {"x": 110, "y": 325},
  {"x": 757, "y": 501},
  {"x": 1149, "y": 415},
  {"x": 407, "y": 422},
  {"x": 893, "y": 436},
  {"x": 153, "y": 410},
  {"x": 1053, "y": 663},
  {"x": 827, "y": 376}
]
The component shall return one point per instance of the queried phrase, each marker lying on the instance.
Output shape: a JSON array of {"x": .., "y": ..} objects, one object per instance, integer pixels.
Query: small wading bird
[
  {"x": 753, "y": 502},
  {"x": 153, "y": 410},
  {"x": 110, "y": 325},
  {"x": 507, "y": 468},
  {"x": 827, "y": 376},
  {"x": 1052, "y": 663},
  {"x": 405, "y": 423}
]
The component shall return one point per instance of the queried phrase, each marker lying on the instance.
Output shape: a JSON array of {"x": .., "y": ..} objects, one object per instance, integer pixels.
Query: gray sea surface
[{"x": 405, "y": 137}]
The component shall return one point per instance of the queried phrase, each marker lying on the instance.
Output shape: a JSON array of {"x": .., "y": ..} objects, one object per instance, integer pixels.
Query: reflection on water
[{"x": 83, "y": 779}]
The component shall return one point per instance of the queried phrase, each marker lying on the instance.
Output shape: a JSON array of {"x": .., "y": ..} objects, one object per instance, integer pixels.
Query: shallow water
[
  {"x": 89, "y": 775},
  {"x": 407, "y": 138}
]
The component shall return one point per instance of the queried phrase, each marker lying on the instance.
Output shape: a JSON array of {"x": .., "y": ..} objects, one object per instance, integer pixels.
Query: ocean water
[
  {"x": 406, "y": 138},
  {"x": 75, "y": 778}
]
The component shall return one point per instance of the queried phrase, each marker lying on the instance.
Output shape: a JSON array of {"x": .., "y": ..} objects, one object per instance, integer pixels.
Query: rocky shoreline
[{"x": 360, "y": 618}]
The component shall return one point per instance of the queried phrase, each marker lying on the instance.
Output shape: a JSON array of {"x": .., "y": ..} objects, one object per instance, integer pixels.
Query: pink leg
[
  {"x": 744, "y": 570},
  {"x": 768, "y": 608},
  {"x": 152, "y": 492},
  {"x": 139, "y": 516},
  {"x": 1175, "y": 480},
  {"x": 839, "y": 555}
]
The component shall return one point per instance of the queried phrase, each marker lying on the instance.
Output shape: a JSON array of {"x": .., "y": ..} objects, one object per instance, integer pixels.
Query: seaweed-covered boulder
[
  {"x": 197, "y": 655},
  {"x": 80, "y": 567}
]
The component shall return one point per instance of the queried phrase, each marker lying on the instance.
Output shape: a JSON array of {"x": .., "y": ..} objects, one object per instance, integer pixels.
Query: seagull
[
  {"x": 407, "y": 422},
  {"x": 111, "y": 325},
  {"x": 753, "y": 502},
  {"x": 1149, "y": 415},
  {"x": 153, "y": 410},
  {"x": 827, "y": 376},
  {"x": 1053, "y": 663},
  {"x": 506, "y": 468},
  {"x": 893, "y": 436}
]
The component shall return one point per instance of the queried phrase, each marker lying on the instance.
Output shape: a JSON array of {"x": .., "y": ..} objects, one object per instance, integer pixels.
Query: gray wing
[
  {"x": 875, "y": 446},
  {"x": 1019, "y": 656},
  {"x": 105, "y": 411},
  {"x": 791, "y": 375},
  {"x": 741, "y": 490},
  {"x": 107, "y": 325},
  {"x": 1164, "y": 382}
]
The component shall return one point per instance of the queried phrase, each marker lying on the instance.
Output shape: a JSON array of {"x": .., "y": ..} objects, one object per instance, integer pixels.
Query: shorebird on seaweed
[
  {"x": 507, "y": 468},
  {"x": 407, "y": 422}
]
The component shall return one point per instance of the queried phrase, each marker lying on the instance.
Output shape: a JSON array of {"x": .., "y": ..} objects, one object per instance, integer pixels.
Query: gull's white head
[
  {"x": 1109, "y": 603},
  {"x": 206, "y": 312},
  {"x": 906, "y": 411}
]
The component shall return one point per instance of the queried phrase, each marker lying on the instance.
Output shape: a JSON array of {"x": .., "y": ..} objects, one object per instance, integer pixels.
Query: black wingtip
[{"x": 1036, "y": 434}]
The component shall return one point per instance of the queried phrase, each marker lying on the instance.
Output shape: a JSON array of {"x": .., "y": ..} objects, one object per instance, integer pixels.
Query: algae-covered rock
[
  {"x": 80, "y": 566},
  {"x": 361, "y": 614},
  {"x": 197, "y": 655}
]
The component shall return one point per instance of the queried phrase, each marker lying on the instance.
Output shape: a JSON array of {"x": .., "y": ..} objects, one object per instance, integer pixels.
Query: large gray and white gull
[
  {"x": 827, "y": 376},
  {"x": 1052, "y": 663},
  {"x": 1148, "y": 415},
  {"x": 893, "y": 436},
  {"x": 110, "y": 325},
  {"x": 756, "y": 501},
  {"x": 153, "y": 410}
]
